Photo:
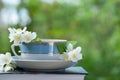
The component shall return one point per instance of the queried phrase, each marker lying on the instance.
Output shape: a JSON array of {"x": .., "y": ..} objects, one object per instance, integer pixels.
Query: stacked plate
[
  {"x": 41, "y": 56},
  {"x": 38, "y": 65}
]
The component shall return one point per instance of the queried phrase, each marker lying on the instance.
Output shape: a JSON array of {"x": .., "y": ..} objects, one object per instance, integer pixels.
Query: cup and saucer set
[{"x": 41, "y": 56}]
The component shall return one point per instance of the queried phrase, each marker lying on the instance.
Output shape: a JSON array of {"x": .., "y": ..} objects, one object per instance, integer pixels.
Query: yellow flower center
[
  {"x": 5, "y": 59},
  {"x": 74, "y": 56},
  {"x": 66, "y": 57},
  {"x": 17, "y": 38},
  {"x": 19, "y": 30},
  {"x": 27, "y": 37}
]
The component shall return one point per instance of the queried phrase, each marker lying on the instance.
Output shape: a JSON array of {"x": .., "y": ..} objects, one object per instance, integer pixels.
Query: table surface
[
  {"x": 71, "y": 70},
  {"x": 72, "y": 73}
]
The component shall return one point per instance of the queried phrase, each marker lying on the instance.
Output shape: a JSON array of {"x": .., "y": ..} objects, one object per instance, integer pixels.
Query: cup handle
[{"x": 13, "y": 50}]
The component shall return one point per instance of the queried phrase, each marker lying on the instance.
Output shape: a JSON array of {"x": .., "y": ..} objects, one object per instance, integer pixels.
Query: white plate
[{"x": 37, "y": 65}]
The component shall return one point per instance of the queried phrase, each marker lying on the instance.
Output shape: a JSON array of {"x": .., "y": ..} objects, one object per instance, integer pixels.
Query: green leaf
[
  {"x": 37, "y": 39},
  {"x": 72, "y": 42},
  {"x": 61, "y": 47}
]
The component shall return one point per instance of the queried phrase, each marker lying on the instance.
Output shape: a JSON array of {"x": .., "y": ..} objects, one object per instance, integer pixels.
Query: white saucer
[
  {"x": 38, "y": 65},
  {"x": 31, "y": 56}
]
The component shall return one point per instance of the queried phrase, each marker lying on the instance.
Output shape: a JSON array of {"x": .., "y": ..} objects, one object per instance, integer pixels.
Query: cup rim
[{"x": 46, "y": 41}]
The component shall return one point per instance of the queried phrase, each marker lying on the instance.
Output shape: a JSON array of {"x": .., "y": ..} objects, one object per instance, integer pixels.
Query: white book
[{"x": 72, "y": 73}]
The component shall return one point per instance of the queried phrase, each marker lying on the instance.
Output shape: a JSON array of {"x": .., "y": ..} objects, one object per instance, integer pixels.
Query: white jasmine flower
[
  {"x": 11, "y": 37},
  {"x": 65, "y": 56},
  {"x": 5, "y": 58},
  {"x": 17, "y": 38},
  {"x": 8, "y": 68},
  {"x": 76, "y": 55},
  {"x": 28, "y": 36},
  {"x": 79, "y": 49},
  {"x": 21, "y": 35},
  {"x": 1, "y": 67},
  {"x": 15, "y": 34},
  {"x": 20, "y": 30},
  {"x": 72, "y": 54},
  {"x": 69, "y": 47},
  {"x": 12, "y": 31}
]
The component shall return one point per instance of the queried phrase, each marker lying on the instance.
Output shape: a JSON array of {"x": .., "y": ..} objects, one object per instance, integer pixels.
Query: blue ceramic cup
[{"x": 39, "y": 50}]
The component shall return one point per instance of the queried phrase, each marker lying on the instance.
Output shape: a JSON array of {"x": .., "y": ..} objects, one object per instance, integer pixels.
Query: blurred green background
[{"x": 95, "y": 24}]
